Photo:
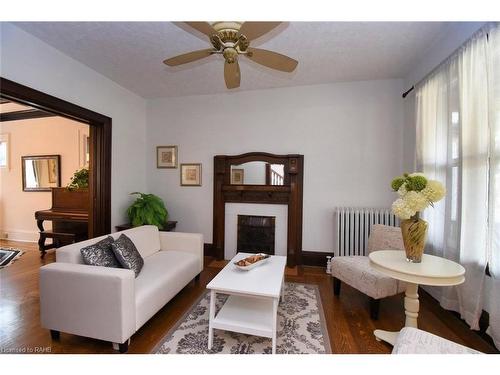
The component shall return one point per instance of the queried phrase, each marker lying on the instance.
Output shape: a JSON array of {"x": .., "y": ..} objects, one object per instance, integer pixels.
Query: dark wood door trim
[
  {"x": 100, "y": 147},
  {"x": 291, "y": 194},
  {"x": 24, "y": 115}
]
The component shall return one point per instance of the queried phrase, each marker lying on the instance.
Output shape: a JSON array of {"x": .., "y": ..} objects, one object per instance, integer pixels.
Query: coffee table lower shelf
[
  {"x": 253, "y": 316},
  {"x": 245, "y": 314}
]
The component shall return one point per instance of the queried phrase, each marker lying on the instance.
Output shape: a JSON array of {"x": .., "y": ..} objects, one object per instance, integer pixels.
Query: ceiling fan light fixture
[
  {"x": 226, "y": 25},
  {"x": 232, "y": 38},
  {"x": 230, "y": 54}
]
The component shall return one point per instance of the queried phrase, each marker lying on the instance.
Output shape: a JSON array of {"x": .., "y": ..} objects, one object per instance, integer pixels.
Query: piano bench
[{"x": 58, "y": 239}]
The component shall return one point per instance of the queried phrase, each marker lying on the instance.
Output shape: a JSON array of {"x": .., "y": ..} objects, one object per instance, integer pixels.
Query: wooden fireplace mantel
[{"x": 291, "y": 194}]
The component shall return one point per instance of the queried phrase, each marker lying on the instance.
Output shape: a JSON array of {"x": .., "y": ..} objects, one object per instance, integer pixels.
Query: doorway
[{"x": 99, "y": 147}]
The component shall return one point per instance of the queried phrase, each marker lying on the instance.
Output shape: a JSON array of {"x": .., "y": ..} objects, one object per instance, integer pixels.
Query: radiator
[{"x": 352, "y": 227}]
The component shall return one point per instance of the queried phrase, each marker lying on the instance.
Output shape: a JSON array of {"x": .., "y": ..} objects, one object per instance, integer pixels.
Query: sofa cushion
[
  {"x": 146, "y": 239},
  {"x": 127, "y": 254},
  {"x": 100, "y": 254},
  {"x": 357, "y": 272},
  {"x": 164, "y": 275},
  {"x": 71, "y": 253}
]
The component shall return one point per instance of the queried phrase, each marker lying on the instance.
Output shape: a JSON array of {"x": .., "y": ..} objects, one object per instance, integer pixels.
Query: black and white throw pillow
[
  {"x": 127, "y": 254},
  {"x": 100, "y": 254}
]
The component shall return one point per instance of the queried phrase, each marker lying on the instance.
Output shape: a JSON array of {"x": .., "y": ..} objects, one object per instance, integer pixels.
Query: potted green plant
[
  {"x": 80, "y": 180},
  {"x": 147, "y": 209},
  {"x": 75, "y": 195}
]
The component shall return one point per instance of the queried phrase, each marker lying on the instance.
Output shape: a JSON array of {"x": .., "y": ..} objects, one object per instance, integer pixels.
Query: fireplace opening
[{"x": 256, "y": 234}]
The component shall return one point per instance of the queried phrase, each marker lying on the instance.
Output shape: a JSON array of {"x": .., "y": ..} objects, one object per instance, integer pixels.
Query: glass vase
[{"x": 414, "y": 231}]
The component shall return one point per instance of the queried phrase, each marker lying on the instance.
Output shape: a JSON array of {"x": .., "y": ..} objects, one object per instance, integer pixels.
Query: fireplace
[
  {"x": 289, "y": 194},
  {"x": 256, "y": 234}
]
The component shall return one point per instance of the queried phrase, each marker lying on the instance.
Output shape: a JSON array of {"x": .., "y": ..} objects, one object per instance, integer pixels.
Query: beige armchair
[{"x": 357, "y": 272}]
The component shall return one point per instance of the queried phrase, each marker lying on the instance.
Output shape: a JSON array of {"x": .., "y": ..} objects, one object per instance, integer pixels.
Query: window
[{"x": 4, "y": 150}]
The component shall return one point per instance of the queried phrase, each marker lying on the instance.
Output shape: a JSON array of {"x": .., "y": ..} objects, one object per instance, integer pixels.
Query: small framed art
[
  {"x": 190, "y": 174},
  {"x": 237, "y": 176},
  {"x": 166, "y": 157}
]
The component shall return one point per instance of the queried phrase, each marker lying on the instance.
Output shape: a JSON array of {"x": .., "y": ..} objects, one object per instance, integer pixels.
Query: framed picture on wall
[
  {"x": 191, "y": 174},
  {"x": 166, "y": 157},
  {"x": 237, "y": 176}
]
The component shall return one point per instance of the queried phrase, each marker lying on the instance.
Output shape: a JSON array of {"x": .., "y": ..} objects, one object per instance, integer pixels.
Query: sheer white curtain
[
  {"x": 473, "y": 88},
  {"x": 493, "y": 292},
  {"x": 438, "y": 155},
  {"x": 453, "y": 147}
]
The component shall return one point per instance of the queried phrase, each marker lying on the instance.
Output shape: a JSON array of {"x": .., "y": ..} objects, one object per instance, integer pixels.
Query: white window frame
[{"x": 5, "y": 138}]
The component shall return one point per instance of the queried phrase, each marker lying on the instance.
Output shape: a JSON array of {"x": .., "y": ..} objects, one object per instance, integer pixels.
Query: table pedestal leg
[
  {"x": 412, "y": 305},
  {"x": 211, "y": 318},
  {"x": 411, "y": 310}
]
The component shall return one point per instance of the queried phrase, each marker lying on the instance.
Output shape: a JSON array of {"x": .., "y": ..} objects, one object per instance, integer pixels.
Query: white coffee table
[
  {"x": 432, "y": 270},
  {"x": 252, "y": 305}
]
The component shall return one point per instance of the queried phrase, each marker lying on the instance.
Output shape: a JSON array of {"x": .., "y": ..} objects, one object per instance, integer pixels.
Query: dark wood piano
[{"x": 69, "y": 215}]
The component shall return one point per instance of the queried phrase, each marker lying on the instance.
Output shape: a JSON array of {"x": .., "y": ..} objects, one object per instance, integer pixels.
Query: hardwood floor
[{"x": 347, "y": 316}]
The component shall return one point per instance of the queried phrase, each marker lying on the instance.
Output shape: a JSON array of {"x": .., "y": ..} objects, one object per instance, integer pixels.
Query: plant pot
[{"x": 414, "y": 233}]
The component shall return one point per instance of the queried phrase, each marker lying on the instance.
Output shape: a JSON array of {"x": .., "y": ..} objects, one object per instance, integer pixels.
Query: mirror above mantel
[{"x": 258, "y": 173}]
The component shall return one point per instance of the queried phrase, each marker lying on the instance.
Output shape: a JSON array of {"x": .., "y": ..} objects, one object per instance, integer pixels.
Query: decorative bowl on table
[{"x": 251, "y": 261}]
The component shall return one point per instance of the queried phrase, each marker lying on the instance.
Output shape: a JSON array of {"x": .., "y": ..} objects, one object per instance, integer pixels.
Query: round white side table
[{"x": 432, "y": 270}]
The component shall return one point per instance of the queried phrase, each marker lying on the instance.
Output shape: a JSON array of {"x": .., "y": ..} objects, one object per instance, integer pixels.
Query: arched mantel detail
[{"x": 291, "y": 194}]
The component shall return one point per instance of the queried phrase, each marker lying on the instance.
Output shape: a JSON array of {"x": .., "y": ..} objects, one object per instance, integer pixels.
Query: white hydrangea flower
[
  {"x": 401, "y": 209},
  {"x": 416, "y": 174},
  {"x": 415, "y": 200},
  {"x": 402, "y": 190},
  {"x": 434, "y": 191}
]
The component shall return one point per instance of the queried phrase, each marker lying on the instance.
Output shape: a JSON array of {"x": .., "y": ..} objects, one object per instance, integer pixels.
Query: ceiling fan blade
[
  {"x": 202, "y": 27},
  {"x": 232, "y": 74},
  {"x": 188, "y": 57},
  {"x": 252, "y": 30},
  {"x": 272, "y": 59}
]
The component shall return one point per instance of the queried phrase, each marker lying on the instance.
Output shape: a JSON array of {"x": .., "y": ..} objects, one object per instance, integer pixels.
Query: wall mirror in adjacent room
[
  {"x": 257, "y": 173},
  {"x": 41, "y": 173}
]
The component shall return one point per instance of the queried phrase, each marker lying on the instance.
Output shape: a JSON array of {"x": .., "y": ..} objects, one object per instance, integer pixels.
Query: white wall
[
  {"x": 31, "y": 62},
  {"x": 349, "y": 133},
  {"x": 43, "y": 136}
]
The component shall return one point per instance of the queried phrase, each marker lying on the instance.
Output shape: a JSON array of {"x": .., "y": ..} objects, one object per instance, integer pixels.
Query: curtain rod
[
  {"x": 445, "y": 60},
  {"x": 407, "y": 92}
]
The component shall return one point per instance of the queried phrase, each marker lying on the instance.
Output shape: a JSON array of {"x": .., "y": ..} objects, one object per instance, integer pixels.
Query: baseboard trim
[
  {"x": 315, "y": 258},
  {"x": 208, "y": 250},
  {"x": 19, "y": 235},
  {"x": 309, "y": 258}
]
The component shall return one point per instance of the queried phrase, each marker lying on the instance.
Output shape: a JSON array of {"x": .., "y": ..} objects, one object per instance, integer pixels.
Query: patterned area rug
[
  {"x": 8, "y": 255},
  {"x": 301, "y": 328}
]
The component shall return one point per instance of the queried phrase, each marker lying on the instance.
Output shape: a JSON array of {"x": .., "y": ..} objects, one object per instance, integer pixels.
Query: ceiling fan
[{"x": 231, "y": 39}]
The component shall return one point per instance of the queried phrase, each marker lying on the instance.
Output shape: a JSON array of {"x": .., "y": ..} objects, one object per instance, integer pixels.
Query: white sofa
[{"x": 110, "y": 303}]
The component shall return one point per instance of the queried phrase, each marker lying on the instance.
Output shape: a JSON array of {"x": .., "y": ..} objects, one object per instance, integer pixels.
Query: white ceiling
[{"x": 131, "y": 53}]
